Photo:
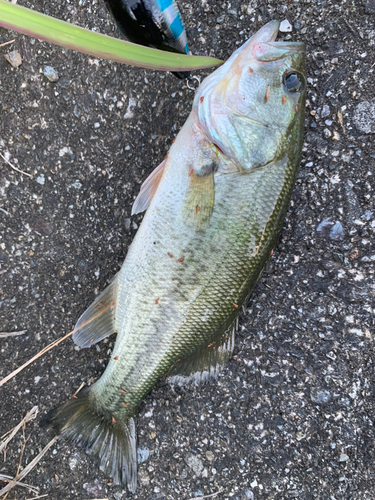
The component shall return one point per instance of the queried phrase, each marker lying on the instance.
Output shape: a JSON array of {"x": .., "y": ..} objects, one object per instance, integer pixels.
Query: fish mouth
[
  {"x": 264, "y": 47},
  {"x": 267, "y": 33},
  {"x": 273, "y": 51}
]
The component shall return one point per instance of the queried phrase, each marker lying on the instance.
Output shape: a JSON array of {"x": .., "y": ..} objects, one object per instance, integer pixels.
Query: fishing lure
[{"x": 153, "y": 23}]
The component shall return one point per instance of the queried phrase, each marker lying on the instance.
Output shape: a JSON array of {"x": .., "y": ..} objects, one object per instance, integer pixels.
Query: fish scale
[
  {"x": 215, "y": 207},
  {"x": 231, "y": 264}
]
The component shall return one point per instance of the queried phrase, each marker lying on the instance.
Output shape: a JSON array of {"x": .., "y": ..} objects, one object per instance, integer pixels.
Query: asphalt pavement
[{"x": 292, "y": 414}]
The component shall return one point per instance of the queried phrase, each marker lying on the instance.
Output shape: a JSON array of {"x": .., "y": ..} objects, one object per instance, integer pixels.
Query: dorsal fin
[
  {"x": 98, "y": 321},
  {"x": 148, "y": 189}
]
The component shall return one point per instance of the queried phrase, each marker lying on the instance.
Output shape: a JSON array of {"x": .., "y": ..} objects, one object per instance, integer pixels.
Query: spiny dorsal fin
[
  {"x": 98, "y": 321},
  {"x": 206, "y": 363},
  {"x": 148, "y": 189},
  {"x": 200, "y": 196}
]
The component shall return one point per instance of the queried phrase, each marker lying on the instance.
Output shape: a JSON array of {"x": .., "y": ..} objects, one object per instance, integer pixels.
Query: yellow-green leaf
[{"x": 73, "y": 37}]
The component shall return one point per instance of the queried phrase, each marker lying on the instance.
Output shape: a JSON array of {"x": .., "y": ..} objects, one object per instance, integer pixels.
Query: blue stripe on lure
[
  {"x": 153, "y": 23},
  {"x": 164, "y": 4},
  {"x": 177, "y": 27},
  {"x": 173, "y": 19}
]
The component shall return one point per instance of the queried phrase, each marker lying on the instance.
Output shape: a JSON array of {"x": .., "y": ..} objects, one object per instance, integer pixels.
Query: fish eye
[{"x": 294, "y": 82}]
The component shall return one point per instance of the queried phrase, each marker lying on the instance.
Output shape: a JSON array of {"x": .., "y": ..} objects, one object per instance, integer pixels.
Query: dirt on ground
[{"x": 292, "y": 414}]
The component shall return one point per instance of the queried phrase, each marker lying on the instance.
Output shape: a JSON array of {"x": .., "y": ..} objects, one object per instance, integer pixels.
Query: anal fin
[
  {"x": 207, "y": 362},
  {"x": 98, "y": 321}
]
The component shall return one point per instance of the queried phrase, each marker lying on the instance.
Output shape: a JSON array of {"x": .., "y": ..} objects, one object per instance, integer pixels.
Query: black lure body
[{"x": 153, "y": 23}]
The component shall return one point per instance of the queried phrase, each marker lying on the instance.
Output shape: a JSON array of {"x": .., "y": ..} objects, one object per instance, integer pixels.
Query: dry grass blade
[
  {"x": 340, "y": 120},
  {"x": 40, "y": 496},
  {"x": 13, "y": 167},
  {"x": 14, "y": 482},
  {"x": 7, "y": 43},
  {"x": 3, "y": 335},
  {"x": 43, "y": 351},
  {"x": 9, "y": 479},
  {"x": 206, "y": 496},
  {"x": 30, "y": 466},
  {"x": 79, "y": 389},
  {"x": 46, "y": 349},
  {"x": 10, "y": 434}
]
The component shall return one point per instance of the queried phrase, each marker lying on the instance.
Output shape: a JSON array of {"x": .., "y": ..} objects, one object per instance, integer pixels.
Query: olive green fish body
[
  {"x": 183, "y": 287},
  {"x": 215, "y": 208}
]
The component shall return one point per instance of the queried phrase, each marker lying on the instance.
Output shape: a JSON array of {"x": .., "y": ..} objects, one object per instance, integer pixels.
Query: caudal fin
[{"x": 111, "y": 444}]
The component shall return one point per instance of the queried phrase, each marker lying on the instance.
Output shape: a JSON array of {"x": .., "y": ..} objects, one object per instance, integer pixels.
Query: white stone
[
  {"x": 41, "y": 179},
  {"x": 364, "y": 117},
  {"x": 285, "y": 26}
]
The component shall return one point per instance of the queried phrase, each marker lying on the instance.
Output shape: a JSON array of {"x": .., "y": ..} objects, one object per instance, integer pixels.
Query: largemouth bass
[{"x": 215, "y": 207}]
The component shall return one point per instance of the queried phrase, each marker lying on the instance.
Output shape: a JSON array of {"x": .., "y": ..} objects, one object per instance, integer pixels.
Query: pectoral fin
[
  {"x": 148, "y": 189},
  {"x": 98, "y": 321},
  {"x": 200, "y": 197}
]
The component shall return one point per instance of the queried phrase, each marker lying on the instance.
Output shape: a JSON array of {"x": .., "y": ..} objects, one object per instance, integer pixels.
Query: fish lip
[
  {"x": 270, "y": 51},
  {"x": 267, "y": 33},
  {"x": 266, "y": 36}
]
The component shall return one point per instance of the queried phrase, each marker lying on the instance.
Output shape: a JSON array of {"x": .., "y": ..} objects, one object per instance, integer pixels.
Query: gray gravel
[
  {"x": 364, "y": 117},
  {"x": 292, "y": 415}
]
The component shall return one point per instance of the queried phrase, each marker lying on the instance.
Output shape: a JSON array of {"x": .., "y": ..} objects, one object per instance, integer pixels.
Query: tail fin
[{"x": 111, "y": 444}]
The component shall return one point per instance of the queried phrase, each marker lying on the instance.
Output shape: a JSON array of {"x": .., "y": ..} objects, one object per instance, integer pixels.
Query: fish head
[{"x": 252, "y": 107}]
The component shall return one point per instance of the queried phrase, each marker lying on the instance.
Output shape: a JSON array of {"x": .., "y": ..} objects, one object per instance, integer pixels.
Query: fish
[
  {"x": 153, "y": 23},
  {"x": 214, "y": 211}
]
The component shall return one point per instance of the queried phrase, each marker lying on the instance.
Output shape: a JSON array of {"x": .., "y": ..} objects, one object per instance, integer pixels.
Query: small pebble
[
  {"x": 327, "y": 133},
  {"x": 14, "y": 58},
  {"x": 320, "y": 396},
  {"x": 364, "y": 117},
  {"x": 73, "y": 462},
  {"x": 285, "y": 26},
  {"x": 130, "y": 109},
  {"x": 41, "y": 179},
  {"x": 325, "y": 111},
  {"x": 331, "y": 229},
  {"x": 94, "y": 488},
  {"x": 337, "y": 232},
  {"x": 194, "y": 463},
  {"x": 142, "y": 454},
  {"x": 50, "y": 73}
]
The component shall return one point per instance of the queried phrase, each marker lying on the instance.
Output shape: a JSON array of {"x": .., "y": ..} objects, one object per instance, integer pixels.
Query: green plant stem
[{"x": 73, "y": 37}]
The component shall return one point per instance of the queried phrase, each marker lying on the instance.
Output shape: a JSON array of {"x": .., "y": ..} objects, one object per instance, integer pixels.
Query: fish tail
[{"x": 111, "y": 443}]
